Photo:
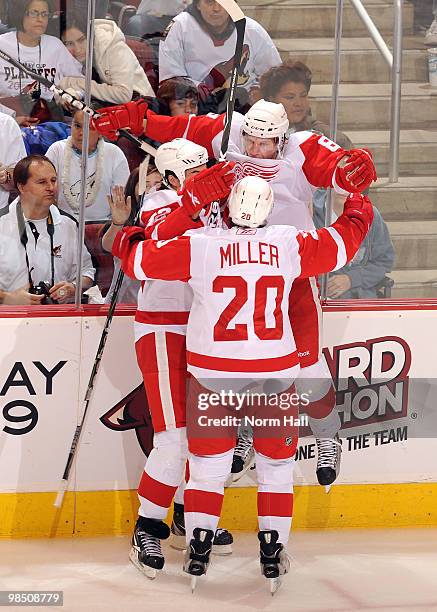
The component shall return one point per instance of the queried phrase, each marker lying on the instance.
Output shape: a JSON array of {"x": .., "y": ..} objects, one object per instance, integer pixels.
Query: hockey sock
[
  {"x": 275, "y": 495},
  {"x": 163, "y": 473},
  {"x": 205, "y": 490}
]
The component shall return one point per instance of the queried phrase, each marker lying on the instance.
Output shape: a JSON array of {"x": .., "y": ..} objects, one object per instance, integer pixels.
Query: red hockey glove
[
  {"x": 128, "y": 116},
  {"x": 208, "y": 186},
  {"x": 127, "y": 237},
  {"x": 359, "y": 205},
  {"x": 358, "y": 171}
]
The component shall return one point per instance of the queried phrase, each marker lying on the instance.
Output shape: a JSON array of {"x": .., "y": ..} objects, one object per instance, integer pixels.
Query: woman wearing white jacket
[{"x": 117, "y": 74}]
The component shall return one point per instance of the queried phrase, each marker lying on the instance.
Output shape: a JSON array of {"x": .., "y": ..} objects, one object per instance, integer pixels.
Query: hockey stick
[
  {"x": 237, "y": 16},
  {"x": 149, "y": 150},
  {"x": 99, "y": 354},
  {"x": 67, "y": 97}
]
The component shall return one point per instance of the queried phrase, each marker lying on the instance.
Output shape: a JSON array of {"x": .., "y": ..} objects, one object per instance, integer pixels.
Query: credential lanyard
[{"x": 24, "y": 240}]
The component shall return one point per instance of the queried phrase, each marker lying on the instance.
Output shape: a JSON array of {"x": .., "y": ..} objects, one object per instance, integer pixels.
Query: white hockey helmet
[
  {"x": 250, "y": 202},
  {"x": 266, "y": 120},
  {"x": 177, "y": 156}
]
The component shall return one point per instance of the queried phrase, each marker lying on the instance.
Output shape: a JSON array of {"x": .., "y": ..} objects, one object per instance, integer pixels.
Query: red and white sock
[
  {"x": 205, "y": 490},
  {"x": 163, "y": 473},
  {"x": 275, "y": 494}
]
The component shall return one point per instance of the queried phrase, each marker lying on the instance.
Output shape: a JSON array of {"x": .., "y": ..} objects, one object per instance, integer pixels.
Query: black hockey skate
[
  {"x": 243, "y": 455},
  {"x": 146, "y": 553},
  {"x": 196, "y": 560},
  {"x": 328, "y": 460},
  {"x": 274, "y": 559},
  {"x": 222, "y": 544}
]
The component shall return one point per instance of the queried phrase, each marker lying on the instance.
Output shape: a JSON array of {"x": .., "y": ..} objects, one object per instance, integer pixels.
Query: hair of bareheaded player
[
  {"x": 264, "y": 130},
  {"x": 179, "y": 160},
  {"x": 250, "y": 202}
]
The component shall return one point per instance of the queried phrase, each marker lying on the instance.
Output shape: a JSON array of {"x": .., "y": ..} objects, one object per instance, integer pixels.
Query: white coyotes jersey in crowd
[
  {"x": 188, "y": 50},
  {"x": 162, "y": 304},
  {"x": 241, "y": 278},
  {"x": 308, "y": 161}
]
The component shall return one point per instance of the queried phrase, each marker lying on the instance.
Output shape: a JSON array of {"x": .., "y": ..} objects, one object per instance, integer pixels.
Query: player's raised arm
[
  {"x": 330, "y": 248},
  {"x": 140, "y": 120},
  {"x": 328, "y": 165}
]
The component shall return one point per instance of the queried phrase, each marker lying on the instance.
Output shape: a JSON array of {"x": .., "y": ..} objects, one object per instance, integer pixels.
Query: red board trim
[{"x": 125, "y": 310}]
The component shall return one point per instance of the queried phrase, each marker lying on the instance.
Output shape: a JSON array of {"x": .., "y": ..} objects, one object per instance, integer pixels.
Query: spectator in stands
[
  {"x": 80, "y": 7},
  {"x": 38, "y": 241},
  {"x": 31, "y": 45},
  {"x": 200, "y": 44},
  {"x": 152, "y": 18},
  {"x": 118, "y": 76},
  {"x": 11, "y": 151},
  {"x": 290, "y": 85},
  {"x": 107, "y": 166},
  {"x": 125, "y": 204},
  {"x": 431, "y": 32},
  {"x": 374, "y": 259},
  {"x": 159, "y": 8},
  {"x": 177, "y": 96}
]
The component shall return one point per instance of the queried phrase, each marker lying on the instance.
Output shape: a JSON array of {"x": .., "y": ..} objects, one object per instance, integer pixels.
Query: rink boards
[{"x": 383, "y": 362}]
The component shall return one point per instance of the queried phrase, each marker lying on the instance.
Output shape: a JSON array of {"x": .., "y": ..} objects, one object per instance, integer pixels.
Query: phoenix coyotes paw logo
[{"x": 132, "y": 412}]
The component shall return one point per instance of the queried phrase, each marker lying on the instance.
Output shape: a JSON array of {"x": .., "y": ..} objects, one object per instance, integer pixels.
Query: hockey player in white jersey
[
  {"x": 160, "y": 328},
  {"x": 239, "y": 328},
  {"x": 294, "y": 166}
]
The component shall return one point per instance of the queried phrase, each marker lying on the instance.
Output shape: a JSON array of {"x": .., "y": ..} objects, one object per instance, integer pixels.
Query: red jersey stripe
[
  {"x": 161, "y": 318},
  {"x": 224, "y": 364}
]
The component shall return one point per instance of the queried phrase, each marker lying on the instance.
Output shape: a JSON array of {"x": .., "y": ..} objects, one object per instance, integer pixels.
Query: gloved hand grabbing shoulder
[{"x": 208, "y": 186}]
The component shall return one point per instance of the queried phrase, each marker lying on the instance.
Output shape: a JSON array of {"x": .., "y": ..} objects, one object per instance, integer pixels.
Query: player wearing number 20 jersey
[
  {"x": 239, "y": 328},
  {"x": 241, "y": 279}
]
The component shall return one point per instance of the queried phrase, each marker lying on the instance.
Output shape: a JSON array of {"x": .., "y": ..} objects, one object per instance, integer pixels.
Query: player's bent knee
[
  {"x": 274, "y": 471},
  {"x": 210, "y": 469}
]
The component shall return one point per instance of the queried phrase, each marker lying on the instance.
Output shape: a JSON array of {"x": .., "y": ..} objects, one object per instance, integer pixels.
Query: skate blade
[
  {"x": 178, "y": 542},
  {"x": 275, "y": 583},
  {"x": 221, "y": 550},
  {"x": 149, "y": 572},
  {"x": 193, "y": 583},
  {"x": 327, "y": 488}
]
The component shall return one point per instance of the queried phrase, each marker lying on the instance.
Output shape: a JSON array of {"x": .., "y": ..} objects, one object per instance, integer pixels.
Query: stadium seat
[{"x": 147, "y": 59}]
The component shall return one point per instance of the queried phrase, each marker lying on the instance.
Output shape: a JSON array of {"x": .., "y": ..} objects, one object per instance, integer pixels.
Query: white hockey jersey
[
  {"x": 241, "y": 279},
  {"x": 188, "y": 50},
  {"x": 308, "y": 161}
]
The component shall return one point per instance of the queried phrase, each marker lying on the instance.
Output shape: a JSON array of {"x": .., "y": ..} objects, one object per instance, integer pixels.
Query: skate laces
[
  {"x": 150, "y": 545},
  {"x": 244, "y": 447},
  {"x": 329, "y": 449}
]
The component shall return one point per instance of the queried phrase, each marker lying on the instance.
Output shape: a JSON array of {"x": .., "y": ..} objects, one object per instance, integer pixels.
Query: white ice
[{"x": 383, "y": 570}]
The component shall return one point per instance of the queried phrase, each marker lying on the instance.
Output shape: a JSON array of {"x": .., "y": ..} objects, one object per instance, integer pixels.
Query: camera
[{"x": 43, "y": 288}]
